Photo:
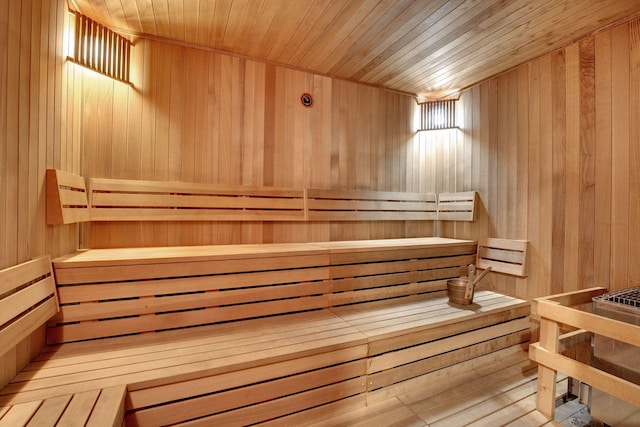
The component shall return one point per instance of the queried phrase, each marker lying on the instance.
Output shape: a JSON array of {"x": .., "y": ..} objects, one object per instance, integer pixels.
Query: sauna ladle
[{"x": 472, "y": 281}]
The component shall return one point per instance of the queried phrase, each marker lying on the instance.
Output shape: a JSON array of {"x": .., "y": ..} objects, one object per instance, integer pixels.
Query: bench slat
[
  {"x": 384, "y": 293},
  {"x": 372, "y": 282},
  {"x": 110, "y": 406},
  {"x": 151, "y": 322},
  {"x": 141, "y": 271},
  {"x": 20, "y": 275},
  {"x": 103, "y": 310},
  {"x": 433, "y": 348},
  {"x": 24, "y": 299},
  {"x": 337, "y": 194},
  {"x": 367, "y": 216},
  {"x": 173, "y": 214},
  {"x": 101, "y": 291},
  {"x": 402, "y": 373},
  {"x": 365, "y": 205},
  {"x": 11, "y": 335},
  {"x": 211, "y": 404},
  {"x": 19, "y": 415},
  {"x": 100, "y": 185},
  {"x": 79, "y": 409},
  {"x": 127, "y": 200},
  {"x": 390, "y": 267},
  {"x": 283, "y": 406},
  {"x": 362, "y": 205},
  {"x": 51, "y": 409},
  {"x": 193, "y": 201},
  {"x": 144, "y": 397},
  {"x": 72, "y": 198},
  {"x": 341, "y": 255}
]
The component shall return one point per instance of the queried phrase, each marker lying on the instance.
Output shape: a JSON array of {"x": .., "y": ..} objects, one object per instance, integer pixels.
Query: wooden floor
[
  {"x": 495, "y": 395},
  {"x": 498, "y": 395}
]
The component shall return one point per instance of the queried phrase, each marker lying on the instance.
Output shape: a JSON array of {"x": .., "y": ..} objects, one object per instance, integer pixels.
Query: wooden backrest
[
  {"x": 503, "y": 255},
  {"x": 457, "y": 206},
  {"x": 131, "y": 200},
  {"x": 66, "y": 198},
  {"x": 357, "y": 205},
  {"x": 27, "y": 300},
  {"x": 68, "y": 201}
]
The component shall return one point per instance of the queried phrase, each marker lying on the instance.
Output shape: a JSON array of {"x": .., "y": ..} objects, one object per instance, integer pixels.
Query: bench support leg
[{"x": 546, "y": 398}]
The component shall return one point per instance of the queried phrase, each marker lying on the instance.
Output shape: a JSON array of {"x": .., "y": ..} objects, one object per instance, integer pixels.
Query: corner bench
[
  {"x": 245, "y": 334},
  {"x": 27, "y": 299}
]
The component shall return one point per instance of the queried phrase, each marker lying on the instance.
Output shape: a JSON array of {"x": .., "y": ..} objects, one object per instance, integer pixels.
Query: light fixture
[
  {"x": 435, "y": 115},
  {"x": 95, "y": 46}
]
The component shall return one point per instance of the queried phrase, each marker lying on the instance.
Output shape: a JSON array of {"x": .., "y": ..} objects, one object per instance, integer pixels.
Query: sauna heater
[{"x": 618, "y": 358}]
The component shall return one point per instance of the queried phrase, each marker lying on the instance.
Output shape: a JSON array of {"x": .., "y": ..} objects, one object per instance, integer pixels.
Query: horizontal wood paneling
[
  {"x": 35, "y": 133},
  {"x": 551, "y": 146}
]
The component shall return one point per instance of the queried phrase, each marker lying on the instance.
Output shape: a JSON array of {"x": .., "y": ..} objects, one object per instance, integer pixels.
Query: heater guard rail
[{"x": 559, "y": 310}]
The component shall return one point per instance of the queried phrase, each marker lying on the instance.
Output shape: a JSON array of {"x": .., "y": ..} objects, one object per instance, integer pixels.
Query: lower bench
[
  {"x": 373, "y": 322},
  {"x": 256, "y": 370}
]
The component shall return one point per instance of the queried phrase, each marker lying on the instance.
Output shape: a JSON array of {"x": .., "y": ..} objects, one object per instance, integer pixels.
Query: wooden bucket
[{"x": 456, "y": 289}]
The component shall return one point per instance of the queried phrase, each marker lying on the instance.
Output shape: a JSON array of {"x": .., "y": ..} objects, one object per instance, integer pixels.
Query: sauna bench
[{"x": 234, "y": 335}]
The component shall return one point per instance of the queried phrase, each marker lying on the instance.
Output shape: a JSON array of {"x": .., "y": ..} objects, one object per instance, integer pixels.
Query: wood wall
[
  {"x": 34, "y": 134},
  {"x": 553, "y": 147},
  {"x": 200, "y": 116}
]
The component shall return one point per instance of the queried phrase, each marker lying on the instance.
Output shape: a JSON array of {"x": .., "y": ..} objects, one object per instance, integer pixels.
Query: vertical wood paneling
[
  {"x": 559, "y": 187},
  {"x": 202, "y": 116},
  {"x": 572, "y": 174},
  {"x": 586, "y": 232},
  {"x": 533, "y": 227},
  {"x": 634, "y": 153},
  {"x": 602, "y": 247},
  {"x": 35, "y": 90},
  {"x": 522, "y": 162},
  {"x": 572, "y": 167},
  {"x": 620, "y": 156}
]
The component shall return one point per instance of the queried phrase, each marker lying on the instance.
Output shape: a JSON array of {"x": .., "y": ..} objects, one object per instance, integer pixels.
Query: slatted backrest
[
  {"x": 135, "y": 295},
  {"x": 27, "y": 300},
  {"x": 66, "y": 198},
  {"x": 129, "y": 200},
  {"x": 356, "y": 205},
  {"x": 503, "y": 255},
  {"x": 457, "y": 206}
]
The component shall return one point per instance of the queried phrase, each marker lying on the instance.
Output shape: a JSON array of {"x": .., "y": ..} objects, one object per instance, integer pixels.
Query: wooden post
[{"x": 549, "y": 334}]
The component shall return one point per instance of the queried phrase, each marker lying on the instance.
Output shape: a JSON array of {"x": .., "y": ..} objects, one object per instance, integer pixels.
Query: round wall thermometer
[{"x": 307, "y": 100}]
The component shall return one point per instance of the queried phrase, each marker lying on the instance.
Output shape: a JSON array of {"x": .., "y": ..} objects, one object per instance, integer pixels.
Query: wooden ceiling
[{"x": 422, "y": 47}]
